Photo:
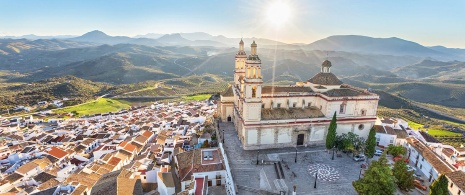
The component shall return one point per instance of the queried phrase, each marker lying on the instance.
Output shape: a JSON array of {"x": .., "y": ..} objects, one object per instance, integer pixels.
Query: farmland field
[{"x": 101, "y": 105}]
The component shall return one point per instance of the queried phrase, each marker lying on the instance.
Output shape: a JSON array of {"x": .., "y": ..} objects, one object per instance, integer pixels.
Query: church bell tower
[
  {"x": 252, "y": 86},
  {"x": 239, "y": 70}
]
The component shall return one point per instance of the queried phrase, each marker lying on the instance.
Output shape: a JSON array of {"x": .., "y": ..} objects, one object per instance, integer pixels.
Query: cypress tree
[
  {"x": 331, "y": 136},
  {"x": 371, "y": 143}
]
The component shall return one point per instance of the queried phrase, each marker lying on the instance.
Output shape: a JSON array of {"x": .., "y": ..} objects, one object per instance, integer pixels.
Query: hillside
[
  {"x": 79, "y": 90},
  {"x": 388, "y": 46},
  {"x": 433, "y": 69}
]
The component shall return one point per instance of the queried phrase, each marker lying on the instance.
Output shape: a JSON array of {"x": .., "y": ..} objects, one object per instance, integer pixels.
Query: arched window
[
  {"x": 254, "y": 73},
  {"x": 254, "y": 91},
  {"x": 363, "y": 112},
  {"x": 342, "y": 108}
]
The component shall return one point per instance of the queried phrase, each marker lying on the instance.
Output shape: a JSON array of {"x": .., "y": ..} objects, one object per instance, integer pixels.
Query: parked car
[
  {"x": 359, "y": 157},
  {"x": 378, "y": 152},
  {"x": 418, "y": 185},
  {"x": 410, "y": 168}
]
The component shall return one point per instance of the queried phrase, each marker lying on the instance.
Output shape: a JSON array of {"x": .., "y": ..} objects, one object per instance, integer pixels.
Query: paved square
[{"x": 334, "y": 176}]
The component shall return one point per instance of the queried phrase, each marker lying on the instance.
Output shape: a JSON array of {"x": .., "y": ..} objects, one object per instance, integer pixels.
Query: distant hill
[
  {"x": 100, "y": 37},
  {"x": 35, "y": 37},
  {"x": 370, "y": 45},
  {"x": 433, "y": 69},
  {"x": 20, "y": 46}
]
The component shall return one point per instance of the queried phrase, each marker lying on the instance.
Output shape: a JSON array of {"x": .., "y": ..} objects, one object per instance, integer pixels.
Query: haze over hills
[{"x": 359, "y": 60}]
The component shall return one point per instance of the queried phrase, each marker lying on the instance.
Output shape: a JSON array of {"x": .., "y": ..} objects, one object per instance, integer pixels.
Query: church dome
[
  {"x": 326, "y": 63},
  {"x": 325, "y": 79}
]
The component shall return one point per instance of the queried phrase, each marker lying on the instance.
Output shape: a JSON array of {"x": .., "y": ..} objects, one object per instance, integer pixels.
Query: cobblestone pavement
[{"x": 262, "y": 178}]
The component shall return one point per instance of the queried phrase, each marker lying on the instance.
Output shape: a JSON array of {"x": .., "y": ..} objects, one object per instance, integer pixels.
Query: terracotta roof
[
  {"x": 114, "y": 161},
  {"x": 343, "y": 92},
  {"x": 389, "y": 130},
  {"x": 458, "y": 178},
  {"x": 13, "y": 177},
  {"x": 325, "y": 79},
  {"x": 167, "y": 178},
  {"x": 191, "y": 162},
  {"x": 57, "y": 152},
  {"x": 435, "y": 161},
  {"x": 43, "y": 177},
  {"x": 141, "y": 139},
  {"x": 292, "y": 113},
  {"x": 401, "y": 133},
  {"x": 147, "y": 134},
  {"x": 130, "y": 148},
  {"x": 79, "y": 190},
  {"x": 106, "y": 184},
  {"x": 48, "y": 184},
  {"x": 42, "y": 162},
  {"x": 285, "y": 89},
  {"x": 379, "y": 129},
  {"x": 26, "y": 168},
  {"x": 123, "y": 143},
  {"x": 448, "y": 152},
  {"x": 228, "y": 92}
]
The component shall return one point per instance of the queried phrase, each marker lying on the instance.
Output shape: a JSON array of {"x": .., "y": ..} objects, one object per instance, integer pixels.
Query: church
[{"x": 294, "y": 115}]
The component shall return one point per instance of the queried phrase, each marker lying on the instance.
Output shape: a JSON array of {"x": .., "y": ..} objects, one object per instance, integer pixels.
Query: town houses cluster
[{"x": 158, "y": 149}]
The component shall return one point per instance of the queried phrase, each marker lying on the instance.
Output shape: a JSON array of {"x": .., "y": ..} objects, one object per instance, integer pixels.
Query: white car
[
  {"x": 378, "y": 152},
  {"x": 410, "y": 168}
]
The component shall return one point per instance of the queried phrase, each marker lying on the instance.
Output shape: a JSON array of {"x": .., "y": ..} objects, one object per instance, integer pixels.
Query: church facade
[{"x": 297, "y": 115}]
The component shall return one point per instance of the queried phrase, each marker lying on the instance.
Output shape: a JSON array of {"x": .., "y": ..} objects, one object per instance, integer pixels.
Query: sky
[{"x": 426, "y": 22}]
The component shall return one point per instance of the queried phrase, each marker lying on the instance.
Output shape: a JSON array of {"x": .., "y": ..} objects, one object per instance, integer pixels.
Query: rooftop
[{"x": 291, "y": 113}]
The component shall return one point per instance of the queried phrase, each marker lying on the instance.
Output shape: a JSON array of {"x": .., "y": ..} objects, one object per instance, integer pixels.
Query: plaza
[{"x": 334, "y": 176}]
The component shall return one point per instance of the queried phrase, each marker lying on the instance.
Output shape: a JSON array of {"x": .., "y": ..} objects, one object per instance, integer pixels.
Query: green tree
[
  {"x": 396, "y": 150},
  {"x": 370, "y": 143},
  {"x": 205, "y": 144},
  {"x": 439, "y": 186},
  {"x": 404, "y": 178},
  {"x": 377, "y": 179},
  {"x": 331, "y": 136}
]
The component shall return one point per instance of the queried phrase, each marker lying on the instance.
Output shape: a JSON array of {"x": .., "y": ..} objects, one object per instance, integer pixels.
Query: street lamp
[
  {"x": 295, "y": 154},
  {"x": 316, "y": 177},
  {"x": 258, "y": 152}
]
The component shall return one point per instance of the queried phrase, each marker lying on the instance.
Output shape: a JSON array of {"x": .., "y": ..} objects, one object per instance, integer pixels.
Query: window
[
  {"x": 294, "y": 105},
  {"x": 422, "y": 159},
  {"x": 451, "y": 185},
  {"x": 377, "y": 139},
  {"x": 309, "y": 104},
  {"x": 342, "y": 108},
  {"x": 263, "y": 105},
  {"x": 278, "y": 105},
  {"x": 421, "y": 166},
  {"x": 364, "y": 112},
  {"x": 392, "y": 140},
  {"x": 459, "y": 192},
  {"x": 254, "y": 91},
  {"x": 361, "y": 127}
]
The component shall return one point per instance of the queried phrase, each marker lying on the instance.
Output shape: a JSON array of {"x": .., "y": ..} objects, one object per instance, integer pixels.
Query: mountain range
[
  {"x": 389, "y": 64},
  {"x": 202, "y": 53}
]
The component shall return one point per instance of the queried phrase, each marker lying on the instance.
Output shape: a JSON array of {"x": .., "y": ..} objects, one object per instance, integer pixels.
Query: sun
[{"x": 278, "y": 13}]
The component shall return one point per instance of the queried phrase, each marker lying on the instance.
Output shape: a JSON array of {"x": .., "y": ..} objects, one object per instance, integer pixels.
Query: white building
[
  {"x": 285, "y": 116},
  {"x": 425, "y": 160},
  {"x": 456, "y": 182}
]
